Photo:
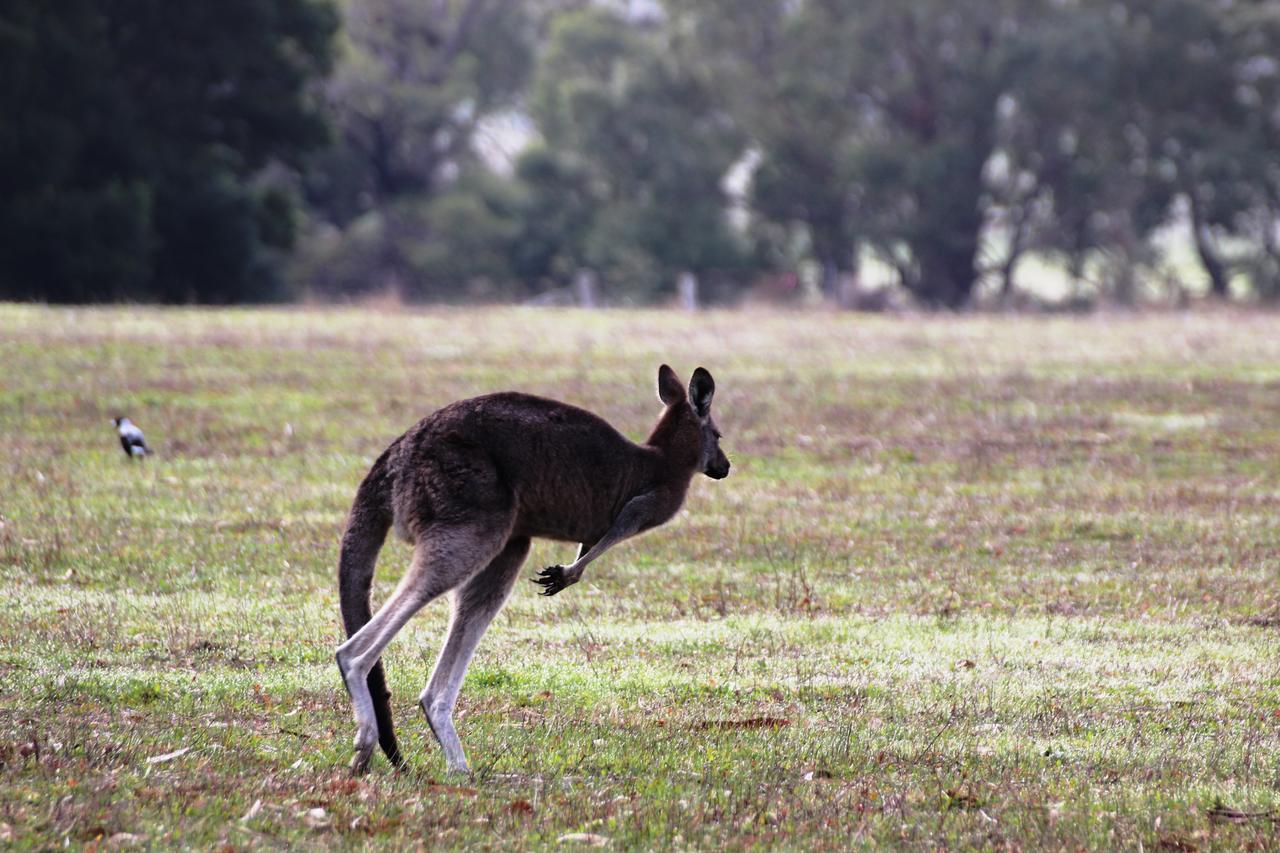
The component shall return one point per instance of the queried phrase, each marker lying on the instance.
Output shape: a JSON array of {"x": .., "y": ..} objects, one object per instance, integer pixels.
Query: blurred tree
[
  {"x": 874, "y": 124},
  {"x": 934, "y": 73},
  {"x": 786, "y": 72},
  {"x": 1144, "y": 112},
  {"x": 1255, "y": 30},
  {"x": 135, "y": 139},
  {"x": 1062, "y": 181},
  {"x": 640, "y": 148},
  {"x": 555, "y": 212},
  {"x": 1199, "y": 79},
  {"x": 413, "y": 83},
  {"x": 452, "y": 246}
]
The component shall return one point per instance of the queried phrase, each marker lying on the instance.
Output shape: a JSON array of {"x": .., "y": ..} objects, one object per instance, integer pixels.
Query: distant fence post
[
  {"x": 687, "y": 291},
  {"x": 586, "y": 289},
  {"x": 848, "y": 290}
]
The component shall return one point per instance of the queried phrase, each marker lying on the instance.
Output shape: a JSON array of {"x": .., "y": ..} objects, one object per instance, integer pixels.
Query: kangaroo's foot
[
  {"x": 552, "y": 579},
  {"x": 366, "y": 723},
  {"x": 440, "y": 719},
  {"x": 366, "y": 740}
]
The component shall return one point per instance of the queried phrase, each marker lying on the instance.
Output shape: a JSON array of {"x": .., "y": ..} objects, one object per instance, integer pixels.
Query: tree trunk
[
  {"x": 947, "y": 236},
  {"x": 947, "y": 275},
  {"x": 1009, "y": 268},
  {"x": 1267, "y": 279},
  {"x": 834, "y": 253},
  {"x": 830, "y": 279},
  {"x": 1219, "y": 281},
  {"x": 1008, "y": 273},
  {"x": 1124, "y": 281}
]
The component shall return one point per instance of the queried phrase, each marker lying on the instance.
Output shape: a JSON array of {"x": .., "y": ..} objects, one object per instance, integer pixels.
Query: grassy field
[{"x": 973, "y": 582}]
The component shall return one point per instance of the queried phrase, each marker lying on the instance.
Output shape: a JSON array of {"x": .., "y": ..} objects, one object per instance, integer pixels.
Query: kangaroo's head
[{"x": 688, "y": 420}]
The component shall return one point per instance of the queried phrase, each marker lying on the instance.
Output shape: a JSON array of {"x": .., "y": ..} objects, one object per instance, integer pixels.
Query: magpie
[{"x": 131, "y": 438}]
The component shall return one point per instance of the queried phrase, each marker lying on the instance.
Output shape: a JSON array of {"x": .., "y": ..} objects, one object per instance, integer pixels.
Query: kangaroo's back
[{"x": 565, "y": 470}]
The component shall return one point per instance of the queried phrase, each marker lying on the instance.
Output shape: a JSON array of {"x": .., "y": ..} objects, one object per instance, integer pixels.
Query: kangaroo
[{"x": 469, "y": 487}]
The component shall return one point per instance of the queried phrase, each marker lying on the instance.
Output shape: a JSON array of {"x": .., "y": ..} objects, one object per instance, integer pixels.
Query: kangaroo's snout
[{"x": 718, "y": 470}]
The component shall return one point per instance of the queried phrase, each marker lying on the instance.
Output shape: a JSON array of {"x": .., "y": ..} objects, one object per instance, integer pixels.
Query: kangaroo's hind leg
[
  {"x": 475, "y": 603},
  {"x": 444, "y": 557}
]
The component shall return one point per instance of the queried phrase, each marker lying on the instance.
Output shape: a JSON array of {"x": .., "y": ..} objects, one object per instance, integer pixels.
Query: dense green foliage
[
  {"x": 626, "y": 121},
  {"x": 950, "y": 150},
  {"x": 134, "y": 140},
  {"x": 928, "y": 130},
  {"x": 401, "y": 200}
]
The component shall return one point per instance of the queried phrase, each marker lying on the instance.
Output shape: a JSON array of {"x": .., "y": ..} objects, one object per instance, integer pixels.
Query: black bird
[{"x": 131, "y": 438}]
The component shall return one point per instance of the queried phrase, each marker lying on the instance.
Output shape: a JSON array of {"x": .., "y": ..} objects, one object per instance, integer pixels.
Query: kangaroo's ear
[
  {"x": 701, "y": 389},
  {"x": 670, "y": 390}
]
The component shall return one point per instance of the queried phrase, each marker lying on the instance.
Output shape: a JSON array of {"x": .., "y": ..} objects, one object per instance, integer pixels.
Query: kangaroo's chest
[{"x": 567, "y": 508}]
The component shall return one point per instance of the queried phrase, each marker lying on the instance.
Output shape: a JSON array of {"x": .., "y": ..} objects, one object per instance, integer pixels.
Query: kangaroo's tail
[{"x": 367, "y": 526}]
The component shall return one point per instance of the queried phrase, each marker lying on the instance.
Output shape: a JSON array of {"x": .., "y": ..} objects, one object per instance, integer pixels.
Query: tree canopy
[
  {"x": 136, "y": 143},
  {"x": 494, "y": 149}
]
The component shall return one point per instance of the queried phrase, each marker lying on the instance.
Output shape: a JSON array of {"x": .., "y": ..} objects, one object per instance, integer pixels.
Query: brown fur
[{"x": 470, "y": 485}]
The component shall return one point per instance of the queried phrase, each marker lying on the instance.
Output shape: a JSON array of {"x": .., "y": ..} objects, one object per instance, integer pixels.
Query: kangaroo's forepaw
[{"x": 552, "y": 579}]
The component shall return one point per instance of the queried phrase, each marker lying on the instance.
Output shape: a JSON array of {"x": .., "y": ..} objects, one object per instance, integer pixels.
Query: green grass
[{"x": 973, "y": 582}]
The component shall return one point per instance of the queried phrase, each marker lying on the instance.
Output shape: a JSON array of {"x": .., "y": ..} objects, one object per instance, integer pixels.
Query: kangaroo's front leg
[{"x": 639, "y": 514}]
